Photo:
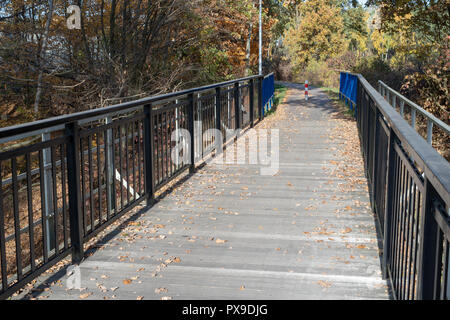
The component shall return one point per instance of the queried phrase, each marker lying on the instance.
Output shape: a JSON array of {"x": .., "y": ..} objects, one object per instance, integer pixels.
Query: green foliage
[
  {"x": 280, "y": 93},
  {"x": 374, "y": 68}
]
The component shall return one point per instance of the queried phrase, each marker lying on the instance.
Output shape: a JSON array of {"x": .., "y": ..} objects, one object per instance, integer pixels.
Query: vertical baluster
[
  {"x": 55, "y": 200},
  {"x": 127, "y": 156},
  {"x": 43, "y": 217},
  {"x": 113, "y": 175},
  {"x": 428, "y": 246},
  {"x": 119, "y": 130},
  {"x": 416, "y": 248},
  {"x": 445, "y": 271},
  {"x": 192, "y": 103},
  {"x": 63, "y": 193},
  {"x": 166, "y": 141},
  {"x": 83, "y": 184},
  {"x": 108, "y": 168},
  {"x": 16, "y": 218},
  {"x": 404, "y": 234},
  {"x": 139, "y": 157},
  {"x": 412, "y": 241},
  {"x": 2, "y": 237},
  {"x": 148, "y": 149},
  {"x": 133, "y": 157},
  {"x": 30, "y": 212},
  {"x": 91, "y": 183},
  {"x": 237, "y": 108},
  {"x": 389, "y": 204},
  {"x": 99, "y": 178}
]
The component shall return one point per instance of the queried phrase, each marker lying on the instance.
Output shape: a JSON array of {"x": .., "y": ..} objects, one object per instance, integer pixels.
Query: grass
[
  {"x": 278, "y": 97},
  {"x": 333, "y": 94}
]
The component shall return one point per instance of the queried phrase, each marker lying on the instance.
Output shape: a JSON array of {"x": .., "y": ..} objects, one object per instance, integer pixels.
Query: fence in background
[
  {"x": 64, "y": 179},
  {"x": 409, "y": 184},
  {"x": 268, "y": 92},
  {"x": 409, "y": 110}
]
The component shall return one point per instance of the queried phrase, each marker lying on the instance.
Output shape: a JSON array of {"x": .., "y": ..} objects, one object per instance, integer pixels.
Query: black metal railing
[
  {"x": 64, "y": 179},
  {"x": 409, "y": 183}
]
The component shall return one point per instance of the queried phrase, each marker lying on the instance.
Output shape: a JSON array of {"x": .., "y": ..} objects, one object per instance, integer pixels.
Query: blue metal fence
[
  {"x": 268, "y": 89},
  {"x": 348, "y": 86}
]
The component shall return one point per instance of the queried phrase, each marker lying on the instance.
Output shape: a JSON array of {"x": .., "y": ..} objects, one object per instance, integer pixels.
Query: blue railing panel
[
  {"x": 348, "y": 86},
  {"x": 268, "y": 89}
]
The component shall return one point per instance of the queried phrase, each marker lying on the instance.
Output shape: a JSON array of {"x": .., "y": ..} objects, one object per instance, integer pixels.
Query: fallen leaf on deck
[
  {"x": 346, "y": 230},
  {"x": 85, "y": 295},
  {"x": 324, "y": 284}
]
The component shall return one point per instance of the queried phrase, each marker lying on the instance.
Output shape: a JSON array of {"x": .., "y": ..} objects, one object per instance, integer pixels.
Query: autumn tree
[{"x": 317, "y": 34}]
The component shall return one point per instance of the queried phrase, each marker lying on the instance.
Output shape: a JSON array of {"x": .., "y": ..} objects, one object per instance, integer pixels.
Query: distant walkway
[{"x": 231, "y": 233}]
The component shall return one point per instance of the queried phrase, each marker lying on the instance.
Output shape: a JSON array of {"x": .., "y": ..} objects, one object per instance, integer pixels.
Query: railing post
[
  {"x": 237, "y": 106},
  {"x": 219, "y": 144},
  {"x": 430, "y": 131},
  {"x": 391, "y": 169},
  {"x": 252, "y": 98},
  {"x": 428, "y": 250},
  {"x": 402, "y": 107},
  {"x": 218, "y": 109},
  {"x": 375, "y": 157},
  {"x": 50, "y": 213},
  {"x": 109, "y": 152},
  {"x": 74, "y": 191},
  {"x": 149, "y": 152},
  {"x": 413, "y": 118},
  {"x": 191, "y": 111}
]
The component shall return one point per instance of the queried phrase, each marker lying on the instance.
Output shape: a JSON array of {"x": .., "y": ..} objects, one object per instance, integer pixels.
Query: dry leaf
[
  {"x": 85, "y": 295},
  {"x": 324, "y": 284},
  {"x": 126, "y": 281},
  {"x": 347, "y": 230},
  {"x": 160, "y": 290}
]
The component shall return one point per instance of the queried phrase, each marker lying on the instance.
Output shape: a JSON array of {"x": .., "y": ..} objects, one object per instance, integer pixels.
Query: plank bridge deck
[{"x": 230, "y": 233}]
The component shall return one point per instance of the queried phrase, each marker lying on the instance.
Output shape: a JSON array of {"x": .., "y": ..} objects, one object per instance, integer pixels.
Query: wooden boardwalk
[{"x": 231, "y": 233}]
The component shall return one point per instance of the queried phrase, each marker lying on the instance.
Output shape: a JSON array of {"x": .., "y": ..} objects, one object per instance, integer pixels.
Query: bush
[
  {"x": 374, "y": 68},
  {"x": 319, "y": 74}
]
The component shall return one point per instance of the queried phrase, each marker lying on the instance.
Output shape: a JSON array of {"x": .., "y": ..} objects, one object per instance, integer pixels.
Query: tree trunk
[
  {"x": 247, "y": 50},
  {"x": 41, "y": 57}
]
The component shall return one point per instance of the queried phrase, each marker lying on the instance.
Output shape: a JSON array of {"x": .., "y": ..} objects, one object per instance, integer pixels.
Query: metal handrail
[
  {"x": 409, "y": 187},
  {"x": 435, "y": 167},
  {"x": 71, "y": 159},
  {"x": 431, "y": 119}
]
